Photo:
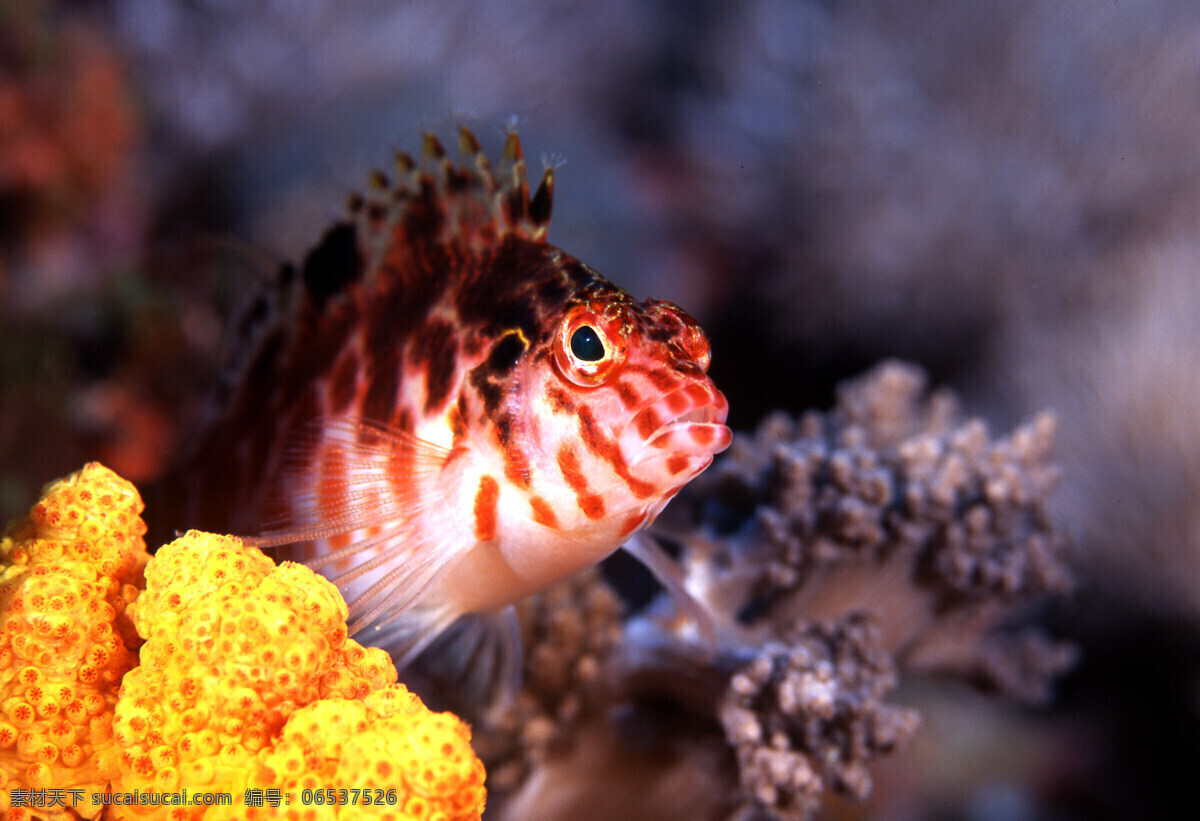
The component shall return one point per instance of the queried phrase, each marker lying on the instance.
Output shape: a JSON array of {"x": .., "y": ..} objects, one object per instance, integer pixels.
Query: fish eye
[
  {"x": 586, "y": 344},
  {"x": 588, "y": 348}
]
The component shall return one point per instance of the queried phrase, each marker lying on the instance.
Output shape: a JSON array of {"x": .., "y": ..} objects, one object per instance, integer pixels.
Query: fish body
[{"x": 443, "y": 412}]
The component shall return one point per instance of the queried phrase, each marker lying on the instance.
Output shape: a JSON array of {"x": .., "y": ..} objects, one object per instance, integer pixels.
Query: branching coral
[
  {"x": 893, "y": 506},
  {"x": 835, "y": 553},
  {"x": 808, "y": 712},
  {"x": 69, "y": 570},
  {"x": 246, "y": 683}
]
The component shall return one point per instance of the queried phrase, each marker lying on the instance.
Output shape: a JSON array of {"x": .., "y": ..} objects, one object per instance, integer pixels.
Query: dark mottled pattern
[
  {"x": 409, "y": 283},
  {"x": 383, "y": 387},
  {"x": 554, "y": 291},
  {"x": 424, "y": 213},
  {"x": 510, "y": 300},
  {"x": 343, "y": 382},
  {"x": 490, "y": 390},
  {"x": 334, "y": 264},
  {"x": 505, "y": 354},
  {"x": 503, "y": 296},
  {"x": 435, "y": 351},
  {"x": 489, "y": 378},
  {"x": 324, "y": 334},
  {"x": 442, "y": 265}
]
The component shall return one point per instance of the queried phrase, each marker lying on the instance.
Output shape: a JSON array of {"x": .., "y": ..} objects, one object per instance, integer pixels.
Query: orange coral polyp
[
  {"x": 53, "y": 595},
  {"x": 247, "y": 676}
]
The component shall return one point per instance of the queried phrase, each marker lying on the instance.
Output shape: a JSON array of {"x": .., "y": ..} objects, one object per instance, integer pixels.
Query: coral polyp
[
  {"x": 68, "y": 572},
  {"x": 205, "y": 668}
]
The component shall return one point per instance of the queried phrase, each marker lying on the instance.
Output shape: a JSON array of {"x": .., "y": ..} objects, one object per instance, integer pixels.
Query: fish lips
[{"x": 687, "y": 422}]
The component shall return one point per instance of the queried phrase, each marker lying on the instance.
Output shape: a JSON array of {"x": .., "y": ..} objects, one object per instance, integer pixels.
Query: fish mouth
[
  {"x": 696, "y": 421},
  {"x": 688, "y": 422}
]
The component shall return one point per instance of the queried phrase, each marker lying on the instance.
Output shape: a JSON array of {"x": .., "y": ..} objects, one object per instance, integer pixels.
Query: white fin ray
[
  {"x": 380, "y": 539},
  {"x": 366, "y": 495},
  {"x": 667, "y": 572},
  {"x": 400, "y": 587},
  {"x": 413, "y": 631},
  {"x": 404, "y": 535}
]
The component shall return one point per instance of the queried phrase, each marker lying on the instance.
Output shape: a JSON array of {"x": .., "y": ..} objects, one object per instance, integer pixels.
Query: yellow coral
[
  {"x": 234, "y": 646},
  {"x": 247, "y": 682},
  {"x": 384, "y": 757},
  {"x": 67, "y": 573}
]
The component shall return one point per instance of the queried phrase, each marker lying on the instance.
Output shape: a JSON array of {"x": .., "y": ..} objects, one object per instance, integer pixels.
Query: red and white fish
[{"x": 446, "y": 412}]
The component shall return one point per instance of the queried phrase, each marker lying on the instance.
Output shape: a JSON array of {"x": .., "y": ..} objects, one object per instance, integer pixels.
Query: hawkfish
[{"x": 444, "y": 413}]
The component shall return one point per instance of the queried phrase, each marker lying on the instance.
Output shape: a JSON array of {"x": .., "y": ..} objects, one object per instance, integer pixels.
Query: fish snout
[{"x": 685, "y": 423}]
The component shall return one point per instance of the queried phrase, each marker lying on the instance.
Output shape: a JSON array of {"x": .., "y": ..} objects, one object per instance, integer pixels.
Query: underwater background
[{"x": 1004, "y": 195}]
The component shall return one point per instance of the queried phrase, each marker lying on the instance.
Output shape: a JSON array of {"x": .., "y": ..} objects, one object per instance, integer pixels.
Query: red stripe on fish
[
  {"x": 626, "y": 393},
  {"x": 516, "y": 463},
  {"x": 568, "y": 465},
  {"x": 632, "y": 523},
  {"x": 543, "y": 514},
  {"x": 486, "y": 500},
  {"x": 592, "y": 504},
  {"x": 647, "y": 422},
  {"x": 677, "y": 463},
  {"x": 559, "y": 401}
]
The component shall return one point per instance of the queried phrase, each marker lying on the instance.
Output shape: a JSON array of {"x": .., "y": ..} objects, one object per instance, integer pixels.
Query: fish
[{"x": 443, "y": 412}]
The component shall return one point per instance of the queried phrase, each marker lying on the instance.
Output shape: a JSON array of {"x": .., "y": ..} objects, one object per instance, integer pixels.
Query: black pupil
[{"x": 586, "y": 344}]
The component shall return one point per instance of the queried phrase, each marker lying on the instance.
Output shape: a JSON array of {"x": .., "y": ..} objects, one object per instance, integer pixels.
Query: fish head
[
  {"x": 614, "y": 414},
  {"x": 641, "y": 371}
]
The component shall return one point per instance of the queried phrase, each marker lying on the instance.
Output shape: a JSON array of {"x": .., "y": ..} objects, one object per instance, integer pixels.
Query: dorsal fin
[
  {"x": 430, "y": 199},
  {"x": 435, "y": 198},
  {"x": 411, "y": 236}
]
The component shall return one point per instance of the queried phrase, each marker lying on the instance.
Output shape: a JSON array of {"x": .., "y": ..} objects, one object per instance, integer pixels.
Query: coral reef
[
  {"x": 836, "y": 553},
  {"x": 807, "y": 714},
  {"x": 68, "y": 572},
  {"x": 408, "y": 762},
  {"x": 894, "y": 505},
  {"x": 1006, "y": 193},
  {"x": 246, "y": 683}
]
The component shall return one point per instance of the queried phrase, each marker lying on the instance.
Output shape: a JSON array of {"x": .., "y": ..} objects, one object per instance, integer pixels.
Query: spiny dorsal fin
[
  {"x": 542, "y": 204},
  {"x": 471, "y": 197},
  {"x": 424, "y": 201}
]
